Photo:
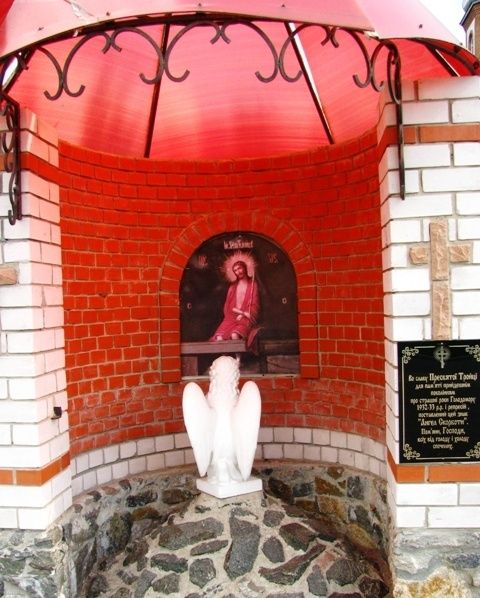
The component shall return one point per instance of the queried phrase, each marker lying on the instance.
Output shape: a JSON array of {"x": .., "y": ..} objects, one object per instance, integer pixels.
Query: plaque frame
[{"x": 439, "y": 401}]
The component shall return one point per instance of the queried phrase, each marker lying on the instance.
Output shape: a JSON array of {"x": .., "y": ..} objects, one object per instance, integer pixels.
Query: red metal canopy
[{"x": 216, "y": 78}]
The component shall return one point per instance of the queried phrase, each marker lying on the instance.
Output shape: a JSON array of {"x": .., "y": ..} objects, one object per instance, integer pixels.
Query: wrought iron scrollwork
[
  {"x": 220, "y": 27},
  {"x": 393, "y": 59},
  {"x": 10, "y": 146},
  {"x": 393, "y": 74},
  {"x": 112, "y": 41}
]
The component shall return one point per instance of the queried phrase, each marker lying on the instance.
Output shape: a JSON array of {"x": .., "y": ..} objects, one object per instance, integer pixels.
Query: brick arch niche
[
  {"x": 128, "y": 228},
  {"x": 284, "y": 236}
]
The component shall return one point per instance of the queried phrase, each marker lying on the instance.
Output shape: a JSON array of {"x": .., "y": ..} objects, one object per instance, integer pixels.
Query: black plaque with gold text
[{"x": 439, "y": 401}]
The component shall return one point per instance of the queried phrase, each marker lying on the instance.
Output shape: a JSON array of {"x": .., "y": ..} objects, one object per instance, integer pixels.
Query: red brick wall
[{"x": 128, "y": 228}]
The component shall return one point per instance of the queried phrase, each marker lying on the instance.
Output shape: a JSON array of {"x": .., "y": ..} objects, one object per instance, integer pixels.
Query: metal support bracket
[
  {"x": 401, "y": 148},
  {"x": 10, "y": 148}
]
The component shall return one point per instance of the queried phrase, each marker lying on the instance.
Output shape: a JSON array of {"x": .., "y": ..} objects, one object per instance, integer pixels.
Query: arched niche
[{"x": 269, "y": 343}]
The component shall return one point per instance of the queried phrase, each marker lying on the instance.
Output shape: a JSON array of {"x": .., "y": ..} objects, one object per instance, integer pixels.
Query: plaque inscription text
[{"x": 439, "y": 391}]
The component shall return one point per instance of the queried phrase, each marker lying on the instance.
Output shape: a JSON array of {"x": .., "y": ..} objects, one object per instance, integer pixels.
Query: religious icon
[
  {"x": 242, "y": 303},
  {"x": 236, "y": 300}
]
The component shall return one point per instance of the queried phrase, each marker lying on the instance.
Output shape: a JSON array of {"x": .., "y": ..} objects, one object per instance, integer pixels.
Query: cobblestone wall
[{"x": 328, "y": 509}]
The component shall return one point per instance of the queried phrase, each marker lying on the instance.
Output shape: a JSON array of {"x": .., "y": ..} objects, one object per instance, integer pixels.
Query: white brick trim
[{"x": 102, "y": 466}]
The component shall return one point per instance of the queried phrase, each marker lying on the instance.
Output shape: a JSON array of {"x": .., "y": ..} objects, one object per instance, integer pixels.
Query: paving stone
[
  {"x": 243, "y": 549},
  {"x": 98, "y": 585},
  {"x": 14, "y": 565},
  {"x": 169, "y": 562},
  {"x": 317, "y": 584},
  {"x": 344, "y": 571},
  {"x": 249, "y": 588},
  {"x": 302, "y": 489},
  {"x": 307, "y": 505},
  {"x": 170, "y": 584},
  {"x": 280, "y": 489},
  {"x": 297, "y": 535},
  {"x": 201, "y": 572},
  {"x": 273, "y": 518},
  {"x": 373, "y": 588},
  {"x": 292, "y": 570},
  {"x": 143, "y": 583},
  {"x": 135, "y": 551},
  {"x": 294, "y": 511},
  {"x": 208, "y": 547},
  {"x": 178, "y": 536},
  {"x": 149, "y": 513},
  {"x": 173, "y": 496},
  {"x": 142, "y": 498},
  {"x": 127, "y": 576},
  {"x": 273, "y": 549},
  {"x": 323, "y": 527}
]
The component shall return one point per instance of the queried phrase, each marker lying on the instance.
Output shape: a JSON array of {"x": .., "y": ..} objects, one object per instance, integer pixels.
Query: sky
[{"x": 450, "y": 12}]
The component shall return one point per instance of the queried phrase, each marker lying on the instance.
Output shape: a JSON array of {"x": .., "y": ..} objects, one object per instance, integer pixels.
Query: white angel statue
[{"x": 223, "y": 430}]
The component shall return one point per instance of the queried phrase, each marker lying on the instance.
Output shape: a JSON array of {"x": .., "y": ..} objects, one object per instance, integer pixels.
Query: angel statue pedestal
[{"x": 223, "y": 430}]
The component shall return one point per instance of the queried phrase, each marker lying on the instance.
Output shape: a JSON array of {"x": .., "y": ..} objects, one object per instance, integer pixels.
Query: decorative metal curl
[
  {"x": 10, "y": 147},
  {"x": 111, "y": 40},
  {"x": 371, "y": 61},
  {"x": 393, "y": 59},
  {"x": 161, "y": 60},
  {"x": 221, "y": 33}
]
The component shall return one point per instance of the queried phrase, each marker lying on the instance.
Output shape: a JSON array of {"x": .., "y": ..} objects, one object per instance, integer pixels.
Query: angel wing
[
  {"x": 199, "y": 419},
  {"x": 245, "y": 426}
]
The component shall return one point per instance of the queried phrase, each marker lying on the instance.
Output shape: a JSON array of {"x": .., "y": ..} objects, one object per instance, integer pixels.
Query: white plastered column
[
  {"x": 35, "y": 478},
  {"x": 442, "y": 168}
]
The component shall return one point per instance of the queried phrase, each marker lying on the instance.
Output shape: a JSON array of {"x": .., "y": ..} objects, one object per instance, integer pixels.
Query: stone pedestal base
[{"x": 230, "y": 489}]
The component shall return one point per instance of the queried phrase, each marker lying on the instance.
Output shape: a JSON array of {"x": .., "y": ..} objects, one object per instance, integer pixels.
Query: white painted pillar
[
  {"x": 35, "y": 479},
  {"x": 442, "y": 162}
]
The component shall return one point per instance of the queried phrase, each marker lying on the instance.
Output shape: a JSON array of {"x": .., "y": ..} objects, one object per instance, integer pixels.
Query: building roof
[
  {"x": 216, "y": 79},
  {"x": 467, "y": 6}
]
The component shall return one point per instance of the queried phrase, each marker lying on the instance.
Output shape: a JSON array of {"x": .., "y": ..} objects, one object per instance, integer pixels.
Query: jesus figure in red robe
[{"x": 241, "y": 307}]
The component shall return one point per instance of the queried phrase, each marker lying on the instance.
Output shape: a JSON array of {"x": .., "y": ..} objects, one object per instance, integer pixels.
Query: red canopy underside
[{"x": 221, "y": 110}]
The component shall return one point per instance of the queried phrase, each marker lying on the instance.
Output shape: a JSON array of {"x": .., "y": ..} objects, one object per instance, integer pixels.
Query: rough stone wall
[
  {"x": 437, "y": 563},
  {"x": 325, "y": 514}
]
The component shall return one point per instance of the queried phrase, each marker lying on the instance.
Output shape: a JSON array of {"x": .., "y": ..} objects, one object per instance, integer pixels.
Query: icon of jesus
[{"x": 242, "y": 304}]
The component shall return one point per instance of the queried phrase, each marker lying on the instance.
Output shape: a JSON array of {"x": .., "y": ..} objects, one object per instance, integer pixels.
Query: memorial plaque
[{"x": 439, "y": 391}]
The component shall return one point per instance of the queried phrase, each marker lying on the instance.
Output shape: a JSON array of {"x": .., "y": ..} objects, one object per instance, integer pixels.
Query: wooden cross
[{"x": 440, "y": 255}]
